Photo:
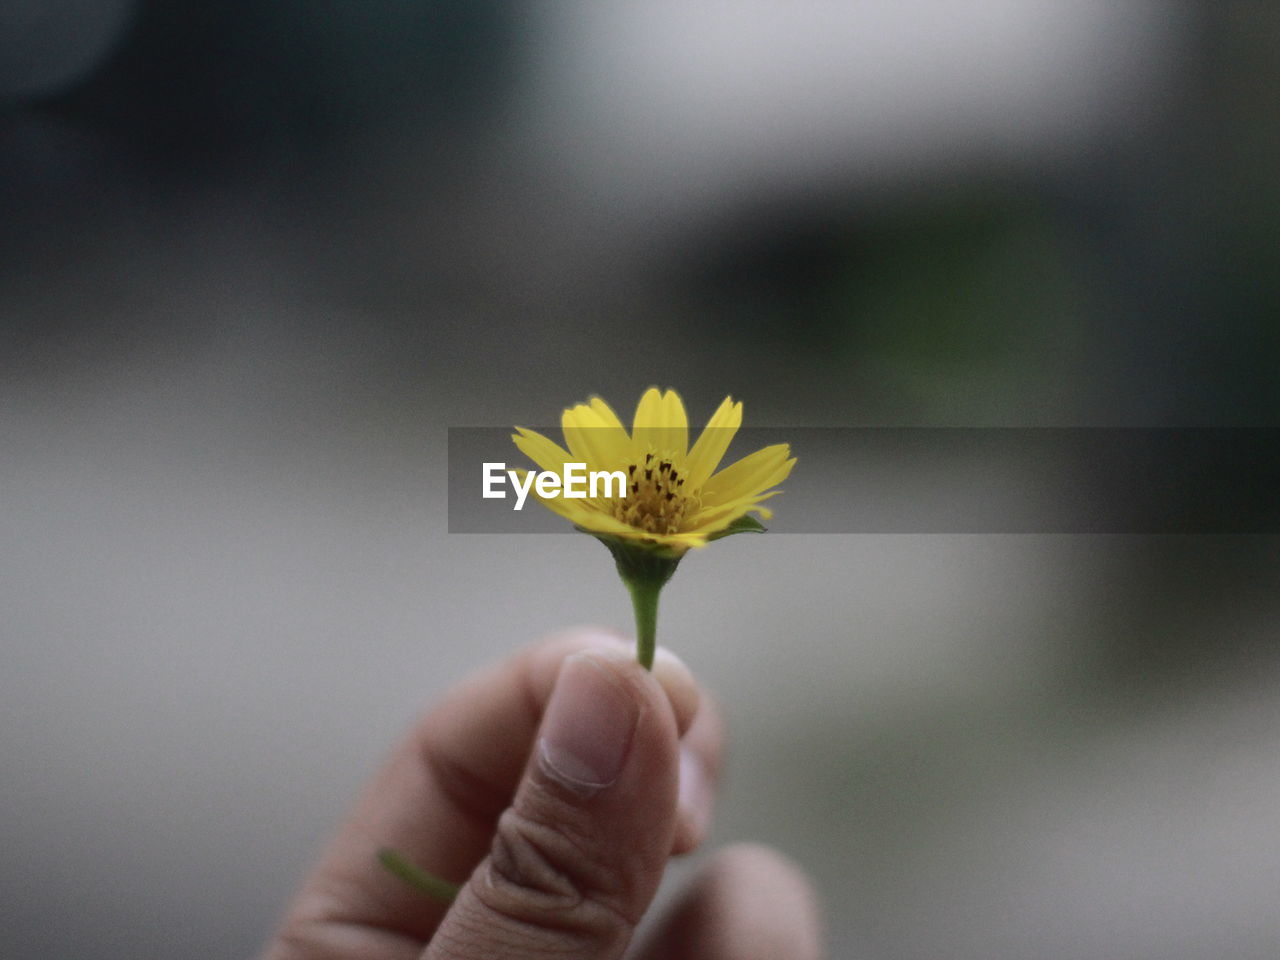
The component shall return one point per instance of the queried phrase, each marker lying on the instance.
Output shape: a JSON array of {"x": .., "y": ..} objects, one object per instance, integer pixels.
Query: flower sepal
[
  {"x": 650, "y": 564},
  {"x": 744, "y": 524}
]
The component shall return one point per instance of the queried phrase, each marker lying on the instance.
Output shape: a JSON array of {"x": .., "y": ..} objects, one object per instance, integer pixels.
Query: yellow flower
[{"x": 675, "y": 497}]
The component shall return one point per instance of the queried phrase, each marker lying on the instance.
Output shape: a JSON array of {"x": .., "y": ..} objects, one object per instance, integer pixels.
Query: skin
[{"x": 557, "y": 861}]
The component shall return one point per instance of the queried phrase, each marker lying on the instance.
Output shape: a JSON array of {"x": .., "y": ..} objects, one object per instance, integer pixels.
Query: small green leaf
[
  {"x": 744, "y": 524},
  {"x": 416, "y": 877}
]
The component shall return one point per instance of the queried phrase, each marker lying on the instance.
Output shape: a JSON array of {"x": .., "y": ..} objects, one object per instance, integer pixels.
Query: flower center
[{"x": 656, "y": 501}]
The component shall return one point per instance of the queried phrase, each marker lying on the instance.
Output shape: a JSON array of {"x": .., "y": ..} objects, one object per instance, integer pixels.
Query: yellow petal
[
  {"x": 681, "y": 541},
  {"x": 750, "y": 475},
  {"x": 598, "y": 522},
  {"x": 647, "y": 422},
  {"x": 580, "y": 512},
  {"x": 547, "y": 454},
  {"x": 660, "y": 424},
  {"x": 593, "y": 440},
  {"x": 605, "y": 413},
  {"x": 648, "y": 410},
  {"x": 676, "y": 423},
  {"x": 685, "y": 540},
  {"x": 712, "y": 443},
  {"x": 585, "y": 517},
  {"x": 719, "y": 517}
]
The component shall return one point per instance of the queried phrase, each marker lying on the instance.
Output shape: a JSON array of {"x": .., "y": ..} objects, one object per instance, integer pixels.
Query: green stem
[
  {"x": 644, "y": 601},
  {"x": 644, "y": 568},
  {"x": 428, "y": 883}
]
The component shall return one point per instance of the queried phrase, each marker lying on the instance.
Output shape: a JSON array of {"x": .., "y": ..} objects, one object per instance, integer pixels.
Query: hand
[{"x": 558, "y": 784}]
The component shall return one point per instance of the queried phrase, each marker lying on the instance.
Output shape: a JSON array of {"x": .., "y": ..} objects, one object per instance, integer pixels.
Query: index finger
[{"x": 437, "y": 801}]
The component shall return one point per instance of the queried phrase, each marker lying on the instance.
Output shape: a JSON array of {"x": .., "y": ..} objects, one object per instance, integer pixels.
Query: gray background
[{"x": 256, "y": 259}]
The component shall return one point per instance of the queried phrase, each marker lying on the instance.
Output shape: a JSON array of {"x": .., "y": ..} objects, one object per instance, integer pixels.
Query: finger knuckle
[{"x": 544, "y": 869}]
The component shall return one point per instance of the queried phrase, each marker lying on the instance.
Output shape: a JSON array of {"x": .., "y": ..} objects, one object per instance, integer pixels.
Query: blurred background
[{"x": 256, "y": 257}]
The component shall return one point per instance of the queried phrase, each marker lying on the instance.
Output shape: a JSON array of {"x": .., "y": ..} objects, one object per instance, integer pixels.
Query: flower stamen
[{"x": 655, "y": 502}]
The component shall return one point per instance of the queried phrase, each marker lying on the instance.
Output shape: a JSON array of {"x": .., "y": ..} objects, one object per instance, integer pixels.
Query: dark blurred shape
[
  {"x": 47, "y": 46},
  {"x": 199, "y": 84}
]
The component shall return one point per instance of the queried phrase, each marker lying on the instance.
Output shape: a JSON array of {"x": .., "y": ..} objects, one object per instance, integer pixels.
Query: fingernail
[
  {"x": 694, "y": 798},
  {"x": 588, "y": 727}
]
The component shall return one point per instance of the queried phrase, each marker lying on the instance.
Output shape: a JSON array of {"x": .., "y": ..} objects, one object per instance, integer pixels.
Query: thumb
[{"x": 578, "y": 856}]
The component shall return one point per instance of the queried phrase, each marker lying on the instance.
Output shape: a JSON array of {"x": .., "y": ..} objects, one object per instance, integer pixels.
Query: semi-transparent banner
[{"x": 909, "y": 480}]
